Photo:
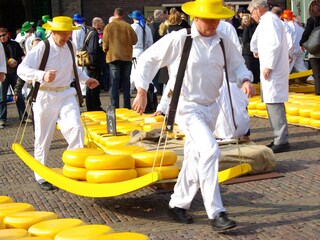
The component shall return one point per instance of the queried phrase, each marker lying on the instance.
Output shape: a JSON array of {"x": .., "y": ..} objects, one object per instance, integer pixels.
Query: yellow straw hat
[
  {"x": 209, "y": 9},
  {"x": 60, "y": 23}
]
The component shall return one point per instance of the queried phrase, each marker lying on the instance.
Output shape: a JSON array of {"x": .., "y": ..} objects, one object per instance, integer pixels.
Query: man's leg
[
  {"x": 3, "y": 100},
  {"x": 278, "y": 122},
  {"x": 125, "y": 77},
  {"x": 115, "y": 83}
]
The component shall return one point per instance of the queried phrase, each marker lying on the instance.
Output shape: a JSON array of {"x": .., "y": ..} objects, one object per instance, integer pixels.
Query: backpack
[{"x": 83, "y": 57}]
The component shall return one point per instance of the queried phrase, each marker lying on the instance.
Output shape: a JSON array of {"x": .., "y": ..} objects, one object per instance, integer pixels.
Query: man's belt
[{"x": 54, "y": 89}]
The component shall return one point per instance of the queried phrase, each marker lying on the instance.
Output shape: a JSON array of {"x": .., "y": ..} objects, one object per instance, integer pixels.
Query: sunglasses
[{"x": 2, "y": 35}]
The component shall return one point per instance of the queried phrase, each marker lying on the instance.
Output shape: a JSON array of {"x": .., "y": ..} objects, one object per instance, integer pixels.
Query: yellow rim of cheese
[
  {"x": 84, "y": 232},
  {"x": 147, "y": 159},
  {"x": 109, "y": 162},
  {"x": 50, "y": 228},
  {"x": 74, "y": 172},
  {"x": 110, "y": 176},
  {"x": 24, "y": 220},
  {"x": 167, "y": 172},
  {"x": 76, "y": 157},
  {"x": 123, "y": 149}
]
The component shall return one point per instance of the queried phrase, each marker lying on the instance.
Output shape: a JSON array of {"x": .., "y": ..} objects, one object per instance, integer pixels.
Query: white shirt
[
  {"x": 230, "y": 31},
  {"x": 3, "y": 63},
  {"x": 271, "y": 45},
  {"x": 78, "y": 36},
  {"x": 296, "y": 34},
  {"x": 204, "y": 71},
  {"x": 59, "y": 59},
  {"x": 138, "y": 47}
]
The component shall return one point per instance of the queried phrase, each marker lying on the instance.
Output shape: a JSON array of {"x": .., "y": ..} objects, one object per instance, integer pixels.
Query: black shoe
[
  {"x": 280, "y": 148},
  {"x": 222, "y": 222},
  {"x": 180, "y": 215},
  {"x": 46, "y": 186},
  {"x": 270, "y": 145}
]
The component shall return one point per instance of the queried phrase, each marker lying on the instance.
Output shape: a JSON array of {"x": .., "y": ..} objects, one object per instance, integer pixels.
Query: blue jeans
[
  {"x": 11, "y": 79},
  {"x": 120, "y": 77}
]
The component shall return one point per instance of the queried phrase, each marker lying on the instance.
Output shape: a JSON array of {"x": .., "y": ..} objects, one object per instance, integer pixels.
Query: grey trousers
[{"x": 278, "y": 122}]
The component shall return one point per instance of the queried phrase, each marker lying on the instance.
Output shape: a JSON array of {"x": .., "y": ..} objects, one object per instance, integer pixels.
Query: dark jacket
[
  {"x": 246, "y": 38},
  {"x": 312, "y": 23},
  {"x": 13, "y": 50},
  {"x": 93, "y": 48}
]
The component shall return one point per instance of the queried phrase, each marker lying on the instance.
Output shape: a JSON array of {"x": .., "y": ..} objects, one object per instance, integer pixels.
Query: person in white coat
[
  {"x": 3, "y": 63},
  {"x": 272, "y": 49},
  {"x": 55, "y": 101},
  {"x": 145, "y": 39},
  {"x": 197, "y": 109},
  {"x": 296, "y": 32},
  {"x": 3, "y": 66}
]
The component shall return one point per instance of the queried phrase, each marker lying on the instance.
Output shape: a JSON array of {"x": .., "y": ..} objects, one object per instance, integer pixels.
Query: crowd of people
[{"x": 229, "y": 50}]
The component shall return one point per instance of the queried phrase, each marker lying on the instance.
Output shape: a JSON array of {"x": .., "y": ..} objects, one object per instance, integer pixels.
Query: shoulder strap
[
  {"x": 228, "y": 84},
  {"x": 76, "y": 76},
  {"x": 43, "y": 64},
  {"x": 86, "y": 39},
  {"x": 178, "y": 83}
]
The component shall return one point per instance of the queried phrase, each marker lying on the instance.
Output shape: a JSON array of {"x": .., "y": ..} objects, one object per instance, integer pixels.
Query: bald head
[{"x": 98, "y": 23}]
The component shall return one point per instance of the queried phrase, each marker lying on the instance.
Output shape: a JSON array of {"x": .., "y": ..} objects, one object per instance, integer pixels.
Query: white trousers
[
  {"x": 201, "y": 158},
  {"x": 297, "y": 63},
  {"x": 49, "y": 109}
]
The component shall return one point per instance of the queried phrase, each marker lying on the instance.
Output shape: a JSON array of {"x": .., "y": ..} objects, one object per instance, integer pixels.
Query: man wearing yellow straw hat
[
  {"x": 56, "y": 101},
  {"x": 197, "y": 109}
]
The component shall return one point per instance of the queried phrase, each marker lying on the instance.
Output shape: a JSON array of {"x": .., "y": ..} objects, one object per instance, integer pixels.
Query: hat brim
[
  {"x": 194, "y": 10},
  {"x": 286, "y": 16},
  {"x": 135, "y": 16},
  {"x": 59, "y": 27}
]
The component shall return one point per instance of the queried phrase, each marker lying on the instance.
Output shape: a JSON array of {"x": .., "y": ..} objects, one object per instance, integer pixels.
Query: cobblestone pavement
[{"x": 279, "y": 208}]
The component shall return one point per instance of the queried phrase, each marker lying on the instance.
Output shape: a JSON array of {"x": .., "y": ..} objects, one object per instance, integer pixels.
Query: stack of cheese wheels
[
  {"x": 85, "y": 232},
  {"x": 74, "y": 160},
  {"x": 50, "y": 228},
  {"x": 110, "y": 168},
  {"x": 161, "y": 161},
  {"x": 123, "y": 235}
]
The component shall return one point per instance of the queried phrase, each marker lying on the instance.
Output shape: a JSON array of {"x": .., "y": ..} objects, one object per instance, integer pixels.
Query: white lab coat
[
  {"x": 271, "y": 44},
  {"x": 3, "y": 62}
]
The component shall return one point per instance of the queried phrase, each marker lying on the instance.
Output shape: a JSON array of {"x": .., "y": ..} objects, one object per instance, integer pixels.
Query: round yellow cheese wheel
[
  {"x": 167, "y": 172},
  {"x": 10, "y": 234},
  {"x": 86, "y": 232},
  {"x": 138, "y": 119},
  {"x": 262, "y": 113},
  {"x": 50, "y": 228},
  {"x": 252, "y": 112},
  {"x": 315, "y": 114},
  {"x": 24, "y": 220},
  {"x": 261, "y": 106},
  {"x": 74, "y": 172},
  {"x": 147, "y": 159},
  {"x": 110, "y": 176},
  {"x": 109, "y": 162},
  {"x": 114, "y": 140},
  {"x": 5, "y": 199},
  {"x": 76, "y": 157},
  {"x": 292, "y": 109},
  {"x": 121, "y": 149},
  {"x": 8, "y": 208},
  {"x": 313, "y": 122},
  {"x": 252, "y": 105},
  {"x": 123, "y": 236},
  {"x": 293, "y": 119},
  {"x": 304, "y": 121},
  {"x": 306, "y": 110}
]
